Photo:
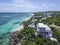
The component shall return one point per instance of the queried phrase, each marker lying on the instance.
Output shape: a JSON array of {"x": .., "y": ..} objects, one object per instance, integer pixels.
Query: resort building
[
  {"x": 47, "y": 14},
  {"x": 32, "y": 23},
  {"x": 44, "y": 31}
]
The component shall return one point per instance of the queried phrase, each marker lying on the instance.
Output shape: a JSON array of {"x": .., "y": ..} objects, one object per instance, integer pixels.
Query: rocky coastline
[{"x": 14, "y": 39}]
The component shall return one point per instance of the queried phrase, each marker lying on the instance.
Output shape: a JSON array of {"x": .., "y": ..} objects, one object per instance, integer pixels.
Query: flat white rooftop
[{"x": 41, "y": 25}]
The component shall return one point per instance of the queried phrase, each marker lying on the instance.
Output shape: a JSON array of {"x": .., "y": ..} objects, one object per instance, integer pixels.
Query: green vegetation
[
  {"x": 31, "y": 39},
  {"x": 54, "y": 19},
  {"x": 28, "y": 37},
  {"x": 56, "y": 33},
  {"x": 38, "y": 41},
  {"x": 38, "y": 14},
  {"x": 51, "y": 20}
]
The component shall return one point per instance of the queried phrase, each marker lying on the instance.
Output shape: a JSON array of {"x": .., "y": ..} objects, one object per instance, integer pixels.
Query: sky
[{"x": 29, "y": 5}]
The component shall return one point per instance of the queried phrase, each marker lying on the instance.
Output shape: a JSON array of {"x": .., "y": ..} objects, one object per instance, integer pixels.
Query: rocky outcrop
[{"x": 14, "y": 38}]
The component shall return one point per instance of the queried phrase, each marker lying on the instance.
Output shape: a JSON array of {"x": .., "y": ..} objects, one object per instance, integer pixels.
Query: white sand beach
[
  {"x": 21, "y": 27},
  {"x": 29, "y": 17}
]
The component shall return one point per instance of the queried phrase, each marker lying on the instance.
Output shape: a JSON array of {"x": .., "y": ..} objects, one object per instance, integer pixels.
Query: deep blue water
[{"x": 9, "y": 22}]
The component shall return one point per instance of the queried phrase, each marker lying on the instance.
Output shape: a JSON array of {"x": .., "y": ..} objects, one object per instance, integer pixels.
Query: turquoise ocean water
[{"x": 9, "y": 22}]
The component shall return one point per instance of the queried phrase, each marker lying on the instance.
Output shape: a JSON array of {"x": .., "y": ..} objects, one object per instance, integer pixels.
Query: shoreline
[
  {"x": 14, "y": 34},
  {"x": 21, "y": 27},
  {"x": 29, "y": 17}
]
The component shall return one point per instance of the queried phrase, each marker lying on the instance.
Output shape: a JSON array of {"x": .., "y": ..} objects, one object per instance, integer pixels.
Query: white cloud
[
  {"x": 45, "y": 7},
  {"x": 24, "y": 6},
  {"x": 17, "y": 5}
]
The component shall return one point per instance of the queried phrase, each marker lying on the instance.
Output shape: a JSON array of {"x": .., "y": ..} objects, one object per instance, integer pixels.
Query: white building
[
  {"x": 48, "y": 14},
  {"x": 44, "y": 31},
  {"x": 32, "y": 23}
]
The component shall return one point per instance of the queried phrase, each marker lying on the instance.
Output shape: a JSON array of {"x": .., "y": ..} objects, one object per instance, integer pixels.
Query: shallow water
[{"x": 9, "y": 22}]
